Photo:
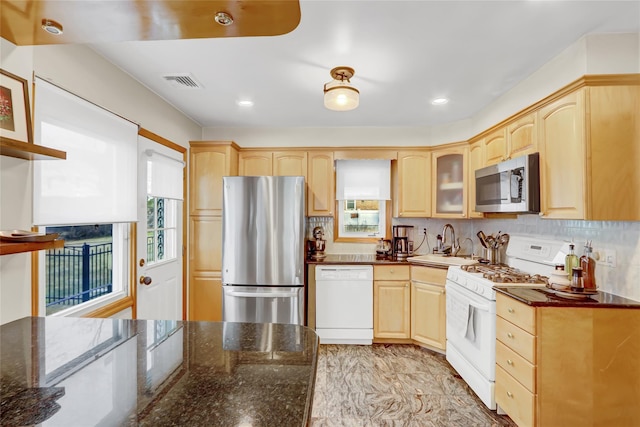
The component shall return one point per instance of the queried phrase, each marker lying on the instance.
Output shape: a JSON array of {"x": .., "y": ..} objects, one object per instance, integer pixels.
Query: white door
[{"x": 159, "y": 232}]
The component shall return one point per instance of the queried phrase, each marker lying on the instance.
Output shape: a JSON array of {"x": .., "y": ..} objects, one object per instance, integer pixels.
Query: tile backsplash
[{"x": 621, "y": 238}]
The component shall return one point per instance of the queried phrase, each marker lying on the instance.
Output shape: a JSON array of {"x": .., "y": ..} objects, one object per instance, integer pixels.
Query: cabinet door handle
[
  {"x": 510, "y": 394},
  {"x": 510, "y": 335},
  {"x": 510, "y": 362},
  {"x": 510, "y": 310}
]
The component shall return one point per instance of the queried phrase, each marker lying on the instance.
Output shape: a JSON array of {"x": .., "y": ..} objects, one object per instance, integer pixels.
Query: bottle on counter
[
  {"x": 588, "y": 265},
  {"x": 571, "y": 261}
]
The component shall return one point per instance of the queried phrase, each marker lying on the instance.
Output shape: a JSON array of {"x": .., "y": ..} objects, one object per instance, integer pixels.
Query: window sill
[
  {"x": 113, "y": 308},
  {"x": 357, "y": 239},
  {"x": 100, "y": 307}
]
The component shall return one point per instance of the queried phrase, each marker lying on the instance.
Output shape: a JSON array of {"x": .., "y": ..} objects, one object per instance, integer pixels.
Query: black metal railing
[{"x": 76, "y": 274}]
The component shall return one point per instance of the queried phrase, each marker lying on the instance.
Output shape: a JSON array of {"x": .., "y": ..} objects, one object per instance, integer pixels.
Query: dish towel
[{"x": 470, "y": 330}]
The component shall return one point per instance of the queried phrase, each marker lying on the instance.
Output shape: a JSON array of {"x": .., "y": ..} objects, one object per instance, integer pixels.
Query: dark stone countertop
[
  {"x": 113, "y": 372},
  {"x": 543, "y": 297},
  {"x": 372, "y": 259}
]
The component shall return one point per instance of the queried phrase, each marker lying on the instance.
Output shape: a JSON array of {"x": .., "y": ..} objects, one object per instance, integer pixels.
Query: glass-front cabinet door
[{"x": 449, "y": 200}]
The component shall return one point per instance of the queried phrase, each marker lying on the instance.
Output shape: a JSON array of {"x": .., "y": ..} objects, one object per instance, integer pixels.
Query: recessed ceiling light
[
  {"x": 223, "y": 18},
  {"x": 51, "y": 27},
  {"x": 439, "y": 101},
  {"x": 245, "y": 103}
]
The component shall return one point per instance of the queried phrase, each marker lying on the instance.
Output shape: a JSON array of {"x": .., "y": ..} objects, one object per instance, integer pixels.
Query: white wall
[{"x": 80, "y": 70}]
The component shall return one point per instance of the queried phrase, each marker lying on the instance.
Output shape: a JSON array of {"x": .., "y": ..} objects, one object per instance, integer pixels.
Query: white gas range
[{"x": 471, "y": 307}]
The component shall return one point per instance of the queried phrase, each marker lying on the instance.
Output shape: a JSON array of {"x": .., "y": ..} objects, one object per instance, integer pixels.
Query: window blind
[
  {"x": 98, "y": 180},
  {"x": 164, "y": 175},
  {"x": 363, "y": 180}
]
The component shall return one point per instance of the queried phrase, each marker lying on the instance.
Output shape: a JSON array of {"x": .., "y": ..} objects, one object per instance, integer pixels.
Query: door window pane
[{"x": 161, "y": 229}]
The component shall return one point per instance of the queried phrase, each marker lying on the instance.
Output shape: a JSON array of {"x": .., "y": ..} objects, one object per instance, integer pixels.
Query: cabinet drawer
[
  {"x": 516, "y": 366},
  {"x": 516, "y": 312},
  {"x": 518, "y": 402},
  {"x": 516, "y": 339},
  {"x": 391, "y": 272},
  {"x": 436, "y": 276}
]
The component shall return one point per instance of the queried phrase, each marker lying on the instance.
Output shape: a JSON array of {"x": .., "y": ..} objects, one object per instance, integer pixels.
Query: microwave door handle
[{"x": 505, "y": 187}]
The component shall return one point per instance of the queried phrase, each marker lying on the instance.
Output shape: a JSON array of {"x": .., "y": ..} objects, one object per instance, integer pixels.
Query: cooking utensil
[
  {"x": 483, "y": 238},
  {"x": 490, "y": 240}
]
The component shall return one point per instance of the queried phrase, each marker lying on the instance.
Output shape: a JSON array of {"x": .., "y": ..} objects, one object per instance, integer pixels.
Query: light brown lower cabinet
[
  {"x": 391, "y": 302},
  {"x": 567, "y": 366},
  {"x": 206, "y": 298},
  {"x": 428, "y": 306},
  {"x": 409, "y": 305}
]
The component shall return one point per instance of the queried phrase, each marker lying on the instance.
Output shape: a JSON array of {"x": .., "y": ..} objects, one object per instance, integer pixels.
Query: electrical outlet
[
  {"x": 607, "y": 258},
  {"x": 424, "y": 231}
]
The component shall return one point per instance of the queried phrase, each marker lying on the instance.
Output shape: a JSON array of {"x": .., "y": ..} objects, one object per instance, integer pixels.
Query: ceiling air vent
[{"x": 184, "y": 80}]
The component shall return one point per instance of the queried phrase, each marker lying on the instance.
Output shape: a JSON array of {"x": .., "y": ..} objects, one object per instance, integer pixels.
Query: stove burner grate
[{"x": 504, "y": 274}]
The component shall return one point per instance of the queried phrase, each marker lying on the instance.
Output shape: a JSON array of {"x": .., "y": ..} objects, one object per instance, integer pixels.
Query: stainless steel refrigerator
[{"x": 263, "y": 249}]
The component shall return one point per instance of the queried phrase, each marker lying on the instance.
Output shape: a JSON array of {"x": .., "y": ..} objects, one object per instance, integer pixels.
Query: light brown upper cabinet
[
  {"x": 207, "y": 165},
  {"x": 290, "y": 163},
  {"x": 495, "y": 147},
  {"x": 272, "y": 163},
  {"x": 522, "y": 136},
  {"x": 590, "y": 151},
  {"x": 476, "y": 161},
  {"x": 516, "y": 139},
  {"x": 562, "y": 167},
  {"x": 320, "y": 183},
  {"x": 255, "y": 163},
  {"x": 449, "y": 173},
  {"x": 414, "y": 184}
]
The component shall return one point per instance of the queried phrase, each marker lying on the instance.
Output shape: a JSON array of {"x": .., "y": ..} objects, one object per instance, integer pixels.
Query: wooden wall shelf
[
  {"x": 7, "y": 248},
  {"x": 27, "y": 151}
]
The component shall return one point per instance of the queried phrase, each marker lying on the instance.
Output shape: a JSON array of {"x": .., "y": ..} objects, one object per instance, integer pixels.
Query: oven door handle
[{"x": 479, "y": 307}]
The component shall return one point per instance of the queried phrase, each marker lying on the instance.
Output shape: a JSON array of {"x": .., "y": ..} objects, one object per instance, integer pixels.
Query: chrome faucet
[{"x": 454, "y": 247}]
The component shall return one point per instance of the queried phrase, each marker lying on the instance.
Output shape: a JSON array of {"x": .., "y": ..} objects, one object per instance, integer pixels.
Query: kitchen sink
[{"x": 441, "y": 260}]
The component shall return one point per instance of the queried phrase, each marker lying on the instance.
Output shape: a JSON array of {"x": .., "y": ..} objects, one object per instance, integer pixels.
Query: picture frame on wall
[{"x": 15, "y": 114}]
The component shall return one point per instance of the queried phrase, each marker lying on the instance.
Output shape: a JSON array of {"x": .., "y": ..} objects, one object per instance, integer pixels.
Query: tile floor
[{"x": 393, "y": 385}]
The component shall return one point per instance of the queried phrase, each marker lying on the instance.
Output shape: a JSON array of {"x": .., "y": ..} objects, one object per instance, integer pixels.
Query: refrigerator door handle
[{"x": 261, "y": 294}]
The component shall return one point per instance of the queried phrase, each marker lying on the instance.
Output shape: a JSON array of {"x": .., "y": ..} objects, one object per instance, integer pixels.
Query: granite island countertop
[{"x": 80, "y": 372}]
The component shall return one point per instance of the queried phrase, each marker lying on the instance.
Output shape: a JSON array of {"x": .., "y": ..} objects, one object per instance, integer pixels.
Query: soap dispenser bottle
[
  {"x": 571, "y": 261},
  {"x": 588, "y": 265}
]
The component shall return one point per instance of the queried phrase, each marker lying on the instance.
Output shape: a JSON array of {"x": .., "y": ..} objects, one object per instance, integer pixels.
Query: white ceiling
[{"x": 405, "y": 53}]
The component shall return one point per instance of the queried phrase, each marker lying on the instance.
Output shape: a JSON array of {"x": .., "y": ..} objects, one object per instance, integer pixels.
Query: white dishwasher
[{"x": 344, "y": 304}]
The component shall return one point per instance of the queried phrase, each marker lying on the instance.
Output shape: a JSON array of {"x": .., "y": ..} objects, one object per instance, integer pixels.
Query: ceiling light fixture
[
  {"x": 223, "y": 18},
  {"x": 339, "y": 94},
  {"x": 439, "y": 101},
  {"x": 51, "y": 27},
  {"x": 245, "y": 103}
]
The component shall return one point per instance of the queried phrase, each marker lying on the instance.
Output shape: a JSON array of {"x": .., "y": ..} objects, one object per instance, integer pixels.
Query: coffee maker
[{"x": 400, "y": 241}]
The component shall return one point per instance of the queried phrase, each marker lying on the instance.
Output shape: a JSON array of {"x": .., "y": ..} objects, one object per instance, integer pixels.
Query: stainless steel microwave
[{"x": 510, "y": 186}]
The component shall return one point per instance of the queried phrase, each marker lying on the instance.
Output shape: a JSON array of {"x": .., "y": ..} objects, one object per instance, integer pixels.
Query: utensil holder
[{"x": 493, "y": 255}]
